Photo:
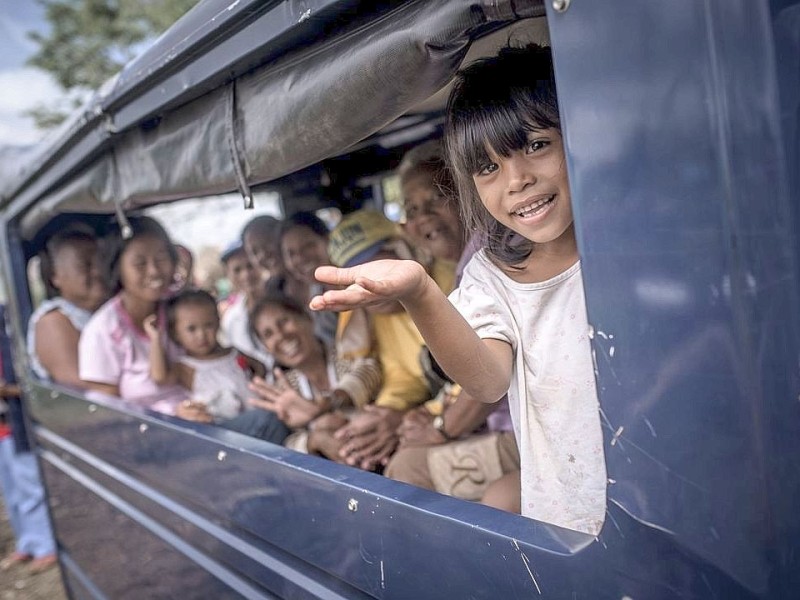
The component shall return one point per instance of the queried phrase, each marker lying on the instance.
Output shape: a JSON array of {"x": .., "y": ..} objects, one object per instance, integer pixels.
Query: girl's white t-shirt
[{"x": 552, "y": 397}]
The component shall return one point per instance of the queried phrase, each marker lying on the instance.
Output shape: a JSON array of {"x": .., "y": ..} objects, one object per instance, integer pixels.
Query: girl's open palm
[{"x": 371, "y": 283}]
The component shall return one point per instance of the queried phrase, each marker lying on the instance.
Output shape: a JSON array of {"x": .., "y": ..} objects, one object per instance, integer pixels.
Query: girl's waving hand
[{"x": 370, "y": 283}]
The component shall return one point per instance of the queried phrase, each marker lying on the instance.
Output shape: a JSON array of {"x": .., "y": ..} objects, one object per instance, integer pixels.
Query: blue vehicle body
[{"x": 680, "y": 123}]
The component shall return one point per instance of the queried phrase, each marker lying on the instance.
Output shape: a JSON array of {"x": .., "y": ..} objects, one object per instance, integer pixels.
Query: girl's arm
[
  {"x": 103, "y": 388},
  {"x": 56, "y": 343},
  {"x": 160, "y": 369},
  {"x": 481, "y": 367}
]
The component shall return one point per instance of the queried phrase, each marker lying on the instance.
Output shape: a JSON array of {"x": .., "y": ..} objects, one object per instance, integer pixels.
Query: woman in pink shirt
[{"x": 114, "y": 349}]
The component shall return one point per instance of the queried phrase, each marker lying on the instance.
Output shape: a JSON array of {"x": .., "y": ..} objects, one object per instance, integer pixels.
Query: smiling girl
[
  {"x": 524, "y": 329},
  {"x": 114, "y": 348}
]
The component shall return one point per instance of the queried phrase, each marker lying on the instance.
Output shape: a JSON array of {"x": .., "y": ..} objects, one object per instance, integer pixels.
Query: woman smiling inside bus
[
  {"x": 114, "y": 349},
  {"x": 315, "y": 381}
]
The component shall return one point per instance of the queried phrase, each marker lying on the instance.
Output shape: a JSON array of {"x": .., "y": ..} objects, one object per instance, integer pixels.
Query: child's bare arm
[
  {"x": 56, "y": 343},
  {"x": 160, "y": 369},
  {"x": 482, "y": 367}
]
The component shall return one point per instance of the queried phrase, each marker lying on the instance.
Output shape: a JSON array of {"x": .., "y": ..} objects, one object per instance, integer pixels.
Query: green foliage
[{"x": 90, "y": 40}]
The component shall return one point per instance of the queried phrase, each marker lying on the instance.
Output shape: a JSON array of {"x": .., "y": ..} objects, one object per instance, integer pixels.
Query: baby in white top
[{"x": 216, "y": 376}]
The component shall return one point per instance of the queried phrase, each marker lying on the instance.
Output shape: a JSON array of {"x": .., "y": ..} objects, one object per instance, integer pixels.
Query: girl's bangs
[{"x": 503, "y": 127}]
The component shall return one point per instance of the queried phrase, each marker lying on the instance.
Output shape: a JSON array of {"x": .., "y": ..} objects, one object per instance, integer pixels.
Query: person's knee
[
  {"x": 504, "y": 493},
  {"x": 410, "y": 465}
]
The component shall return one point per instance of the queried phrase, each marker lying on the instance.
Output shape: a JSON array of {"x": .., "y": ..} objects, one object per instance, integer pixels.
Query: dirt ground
[{"x": 17, "y": 583}]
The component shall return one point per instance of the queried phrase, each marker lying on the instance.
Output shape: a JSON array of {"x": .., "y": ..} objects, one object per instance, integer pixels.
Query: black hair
[
  {"x": 497, "y": 102},
  {"x": 189, "y": 297},
  {"x": 304, "y": 219},
  {"x": 75, "y": 233},
  {"x": 141, "y": 226}
]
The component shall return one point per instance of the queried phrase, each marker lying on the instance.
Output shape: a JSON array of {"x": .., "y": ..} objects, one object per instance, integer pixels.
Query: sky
[{"x": 23, "y": 87}]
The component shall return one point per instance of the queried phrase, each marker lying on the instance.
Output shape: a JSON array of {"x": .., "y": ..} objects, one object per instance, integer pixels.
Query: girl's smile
[
  {"x": 288, "y": 337},
  {"x": 146, "y": 269},
  {"x": 528, "y": 190}
]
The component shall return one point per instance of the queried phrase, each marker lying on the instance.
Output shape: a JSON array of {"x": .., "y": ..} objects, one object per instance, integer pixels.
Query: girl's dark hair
[
  {"x": 280, "y": 300},
  {"x": 497, "y": 102},
  {"x": 190, "y": 297},
  {"x": 304, "y": 219},
  {"x": 75, "y": 233},
  {"x": 141, "y": 226}
]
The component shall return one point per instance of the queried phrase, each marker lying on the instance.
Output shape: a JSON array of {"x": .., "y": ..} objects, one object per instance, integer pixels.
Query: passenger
[
  {"x": 526, "y": 330},
  {"x": 311, "y": 380},
  {"x": 114, "y": 348},
  {"x": 261, "y": 240},
  {"x": 216, "y": 376},
  {"x": 437, "y": 449},
  {"x": 303, "y": 241},
  {"x": 75, "y": 288},
  {"x": 247, "y": 288},
  {"x": 432, "y": 217},
  {"x": 371, "y": 436}
]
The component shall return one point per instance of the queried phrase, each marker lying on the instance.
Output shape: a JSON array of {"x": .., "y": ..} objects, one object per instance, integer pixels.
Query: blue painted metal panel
[
  {"x": 686, "y": 232},
  {"x": 299, "y": 526}
]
